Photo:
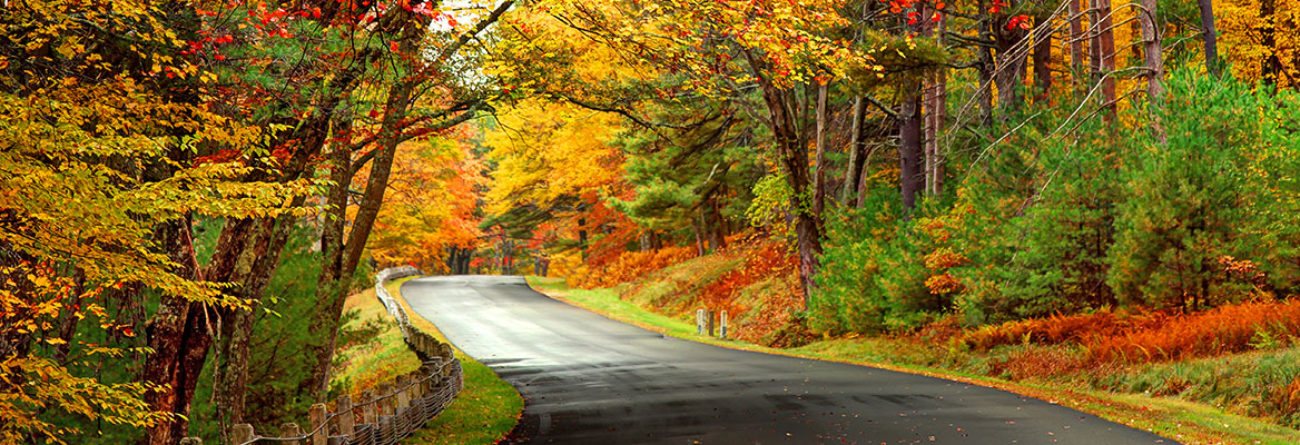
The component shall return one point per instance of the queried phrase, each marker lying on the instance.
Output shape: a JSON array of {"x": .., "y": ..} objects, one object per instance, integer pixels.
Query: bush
[
  {"x": 874, "y": 270},
  {"x": 629, "y": 266},
  {"x": 1226, "y": 329},
  {"x": 1191, "y": 200}
]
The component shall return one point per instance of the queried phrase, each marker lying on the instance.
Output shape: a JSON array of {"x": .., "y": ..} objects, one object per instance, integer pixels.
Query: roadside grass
[
  {"x": 1199, "y": 421},
  {"x": 385, "y": 357},
  {"x": 484, "y": 412}
]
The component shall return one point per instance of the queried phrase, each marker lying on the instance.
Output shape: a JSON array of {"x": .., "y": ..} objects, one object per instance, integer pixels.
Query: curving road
[{"x": 587, "y": 379}]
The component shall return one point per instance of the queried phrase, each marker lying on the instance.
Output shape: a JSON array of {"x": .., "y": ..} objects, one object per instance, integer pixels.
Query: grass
[
  {"x": 384, "y": 358},
  {"x": 1189, "y": 422},
  {"x": 484, "y": 412}
]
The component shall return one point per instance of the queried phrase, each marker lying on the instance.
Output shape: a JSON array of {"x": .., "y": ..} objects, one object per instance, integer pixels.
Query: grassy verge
[
  {"x": 484, "y": 412},
  {"x": 384, "y": 358},
  {"x": 1184, "y": 421}
]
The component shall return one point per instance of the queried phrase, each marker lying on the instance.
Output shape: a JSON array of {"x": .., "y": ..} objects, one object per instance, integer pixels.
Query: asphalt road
[{"x": 587, "y": 379}]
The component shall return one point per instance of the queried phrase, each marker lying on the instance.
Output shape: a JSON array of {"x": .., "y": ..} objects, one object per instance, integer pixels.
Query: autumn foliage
[
  {"x": 1144, "y": 336},
  {"x": 1226, "y": 329},
  {"x": 762, "y": 260},
  {"x": 631, "y": 265}
]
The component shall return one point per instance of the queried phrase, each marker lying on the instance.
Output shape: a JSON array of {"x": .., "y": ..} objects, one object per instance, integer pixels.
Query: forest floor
[
  {"x": 483, "y": 413},
  {"x": 1210, "y": 400}
]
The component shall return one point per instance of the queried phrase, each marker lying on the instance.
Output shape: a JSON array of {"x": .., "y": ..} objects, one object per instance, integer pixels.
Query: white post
[
  {"x": 699, "y": 321},
  {"x": 724, "y": 325}
]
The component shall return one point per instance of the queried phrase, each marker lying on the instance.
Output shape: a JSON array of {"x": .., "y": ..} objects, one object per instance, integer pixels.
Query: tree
[
  {"x": 1208, "y": 36},
  {"x": 431, "y": 211},
  {"x": 103, "y": 122}
]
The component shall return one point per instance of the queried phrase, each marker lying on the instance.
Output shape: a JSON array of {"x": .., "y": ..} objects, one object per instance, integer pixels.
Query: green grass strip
[{"x": 483, "y": 413}]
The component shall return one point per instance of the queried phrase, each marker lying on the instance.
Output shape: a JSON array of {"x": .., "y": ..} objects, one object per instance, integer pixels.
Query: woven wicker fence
[{"x": 396, "y": 410}]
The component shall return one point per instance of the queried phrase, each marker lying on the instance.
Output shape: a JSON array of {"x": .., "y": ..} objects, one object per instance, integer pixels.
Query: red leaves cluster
[
  {"x": 997, "y": 6},
  {"x": 770, "y": 258},
  {"x": 1020, "y": 21},
  {"x": 913, "y": 11}
]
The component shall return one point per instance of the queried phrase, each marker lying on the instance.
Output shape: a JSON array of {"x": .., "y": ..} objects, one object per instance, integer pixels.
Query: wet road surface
[{"x": 587, "y": 379}]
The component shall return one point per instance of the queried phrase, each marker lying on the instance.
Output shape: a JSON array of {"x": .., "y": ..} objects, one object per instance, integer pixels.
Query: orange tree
[
  {"x": 432, "y": 215},
  {"x": 670, "y": 59}
]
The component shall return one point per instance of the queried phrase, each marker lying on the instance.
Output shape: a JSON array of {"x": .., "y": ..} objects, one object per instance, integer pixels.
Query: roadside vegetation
[
  {"x": 484, "y": 412},
  {"x": 1226, "y": 375},
  {"x": 1214, "y": 400}
]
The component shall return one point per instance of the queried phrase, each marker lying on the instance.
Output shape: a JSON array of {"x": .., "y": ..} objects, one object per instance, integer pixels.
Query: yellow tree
[
  {"x": 96, "y": 197},
  {"x": 554, "y": 162},
  {"x": 1262, "y": 39},
  {"x": 765, "y": 55}
]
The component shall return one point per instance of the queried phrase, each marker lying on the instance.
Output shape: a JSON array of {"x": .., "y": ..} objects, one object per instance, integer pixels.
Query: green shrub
[{"x": 1190, "y": 201}]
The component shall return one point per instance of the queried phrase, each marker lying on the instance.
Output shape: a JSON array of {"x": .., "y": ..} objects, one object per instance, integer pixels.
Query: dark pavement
[{"x": 587, "y": 379}]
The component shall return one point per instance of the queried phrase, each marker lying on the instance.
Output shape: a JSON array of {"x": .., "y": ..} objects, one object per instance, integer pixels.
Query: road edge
[
  {"x": 1166, "y": 418},
  {"x": 419, "y": 322}
]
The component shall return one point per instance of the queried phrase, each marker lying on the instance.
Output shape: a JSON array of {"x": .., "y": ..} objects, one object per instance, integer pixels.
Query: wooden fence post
[
  {"x": 370, "y": 409},
  {"x": 290, "y": 429},
  {"x": 347, "y": 422},
  {"x": 403, "y": 393},
  {"x": 317, "y": 415},
  {"x": 385, "y": 402},
  {"x": 417, "y": 385},
  {"x": 241, "y": 433}
]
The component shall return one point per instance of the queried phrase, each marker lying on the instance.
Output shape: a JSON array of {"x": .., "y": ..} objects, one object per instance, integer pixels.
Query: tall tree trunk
[
  {"x": 696, "y": 224},
  {"x": 170, "y": 338},
  {"x": 1104, "y": 57},
  {"x": 936, "y": 103},
  {"x": 718, "y": 230},
  {"x": 1043, "y": 62},
  {"x": 1271, "y": 70},
  {"x": 1076, "y": 39},
  {"x": 1209, "y": 36},
  {"x": 1007, "y": 78},
  {"x": 333, "y": 287},
  {"x": 794, "y": 161},
  {"x": 910, "y": 151},
  {"x": 819, "y": 174},
  {"x": 985, "y": 66},
  {"x": 582, "y": 236},
  {"x": 1152, "y": 48},
  {"x": 258, "y": 262},
  {"x": 857, "y": 157},
  {"x": 1010, "y": 66},
  {"x": 1011, "y": 63},
  {"x": 1106, "y": 35}
]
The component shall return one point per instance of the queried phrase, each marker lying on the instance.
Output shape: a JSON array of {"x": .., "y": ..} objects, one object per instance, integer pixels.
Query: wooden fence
[{"x": 400, "y": 406}]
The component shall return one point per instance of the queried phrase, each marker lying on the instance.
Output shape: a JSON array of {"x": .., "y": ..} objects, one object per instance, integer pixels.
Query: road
[{"x": 587, "y": 379}]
